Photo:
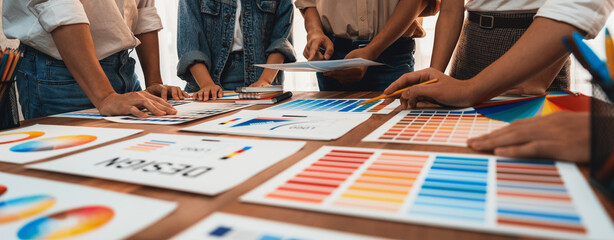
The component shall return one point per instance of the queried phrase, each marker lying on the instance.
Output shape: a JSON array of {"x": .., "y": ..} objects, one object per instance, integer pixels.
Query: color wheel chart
[
  {"x": 437, "y": 127},
  {"x": 32, "y": 143},
  {"x": 512, "y": 110},
  {"x": 35, "y": 208},
  {"x": 336, "y": 105},
  {"x": 476, "y": 192},
  {"x": 230, "y": 226}
]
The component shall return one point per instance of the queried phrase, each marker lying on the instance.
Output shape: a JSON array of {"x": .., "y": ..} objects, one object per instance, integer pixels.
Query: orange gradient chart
[
  {"x": 19, "y": 136},
  {"x": 24, "y": 207},
  {"x": 67, "y": 223},
  {"x": 55, "y": 143}
]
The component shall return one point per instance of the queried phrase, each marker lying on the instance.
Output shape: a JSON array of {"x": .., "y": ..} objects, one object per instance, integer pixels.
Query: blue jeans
[
  {"x": 46, "y": 87},
  {"x": 232, "y": 75},
  {"x": 377, "y": 78}
]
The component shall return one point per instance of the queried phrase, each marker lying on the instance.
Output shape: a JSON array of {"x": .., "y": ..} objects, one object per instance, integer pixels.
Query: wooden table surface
[{"x": 193, "y": 207}]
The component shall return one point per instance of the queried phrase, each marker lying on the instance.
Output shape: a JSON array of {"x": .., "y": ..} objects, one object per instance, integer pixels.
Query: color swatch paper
[
  {"x": 230, "y": 226},
  {"x": 336, "y": 105},
  {"x": 187, "y": 111},
  {"x": 204, "y": 165},
  {"x": 476, "y": 192},
  {"x": 41, "y": 209},
  {"x": 297, "y": 125},
  {"x": 91, "y": 113},
  {"x": 437, "y": 127},
  {"x": 37, "y": 142},
  {"x": 512, "y": 110}
]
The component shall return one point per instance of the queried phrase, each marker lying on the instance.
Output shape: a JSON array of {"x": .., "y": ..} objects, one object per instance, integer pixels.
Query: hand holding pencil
[{"x": 398, "y": 92}]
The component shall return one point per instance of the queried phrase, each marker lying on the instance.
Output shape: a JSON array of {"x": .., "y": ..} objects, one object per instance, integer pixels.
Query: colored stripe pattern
[
  {"x": 385, "y": 184},
  {"x": 149, "y": 146},
  {"x": 317, "y": 182},
  {"x": 242, "y": 150},
  {"x": 440, "y": 127},
  {"x": 532, "y": 194},
  {"x": 455, "y": 188},
  {"x": 330, "y": 105}
]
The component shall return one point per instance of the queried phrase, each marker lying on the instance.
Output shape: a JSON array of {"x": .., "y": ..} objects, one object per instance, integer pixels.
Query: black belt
[
  {"x": 488, "y": 21},
  {"x": 403, "y": 45}
]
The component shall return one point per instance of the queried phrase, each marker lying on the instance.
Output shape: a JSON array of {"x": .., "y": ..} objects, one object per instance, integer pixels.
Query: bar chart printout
[
  {"x": 336, "y": 105},
  {"x": 475, "y": 192}
]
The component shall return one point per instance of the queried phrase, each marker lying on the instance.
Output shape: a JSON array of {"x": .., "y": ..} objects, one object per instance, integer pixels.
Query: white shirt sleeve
[
  {"x": 54, "y": 13},
  {"x": 148, "y": 20},
  {"x": 588, "y": 15}
]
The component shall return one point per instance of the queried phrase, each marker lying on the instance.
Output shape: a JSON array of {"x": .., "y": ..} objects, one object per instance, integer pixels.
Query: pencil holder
[
  {"x": 8, "y": 105},
  {"x": 602, "y": 139}
]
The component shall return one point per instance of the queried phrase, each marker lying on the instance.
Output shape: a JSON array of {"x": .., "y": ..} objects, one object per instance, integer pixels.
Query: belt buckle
[{"x": 490, "y": 18}]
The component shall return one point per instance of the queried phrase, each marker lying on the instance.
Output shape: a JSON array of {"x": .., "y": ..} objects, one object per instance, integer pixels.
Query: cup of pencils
[{"x": 8, "y": 98}]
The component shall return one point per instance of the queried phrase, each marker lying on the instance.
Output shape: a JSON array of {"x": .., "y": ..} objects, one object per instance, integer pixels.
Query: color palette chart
[
  {"x": 229, "y": 226},
  {"x": 91, "y": 113},
  {"x": 283, "y": 124},
  {"x": 437, "y": 127},
  {"x": 37, "y": 142},
  {"x": 40, "y": 209},
  {"x": 186, "y": 111},
  {"x": 512, "y": 110},
  {"x": 475, "y": 192},
  {"x": 203, "y": 165},
  {"x": 336, "y": 105}
]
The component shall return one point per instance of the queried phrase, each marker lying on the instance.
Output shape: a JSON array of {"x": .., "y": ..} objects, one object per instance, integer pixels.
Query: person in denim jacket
[{"x": 218, "y": 43}]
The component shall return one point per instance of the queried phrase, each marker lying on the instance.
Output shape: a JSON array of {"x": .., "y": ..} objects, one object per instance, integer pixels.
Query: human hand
[
  {"x": 562, "y": 135},
  {"x": 528, "y": 88},
  {"x": 163, "y": 91},
  {"x": 315, "y": 42},
  {"x": 260, "y": 83},
  {"x": 213, "y": 90},
  {"x": 130, "y": 103},
  {"x": 352, "y": 75},
  {"x": 446, "y": 91}
]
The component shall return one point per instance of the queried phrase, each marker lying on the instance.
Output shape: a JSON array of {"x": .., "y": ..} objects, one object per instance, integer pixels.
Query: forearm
[
  {"x": 269, "y": 74},
  {"x": 537, "y": 49},
  {"x": 401, "y": 19},
  {"x": 201, "y": 74},
  {"x": 313, "y": 25},
  {"x": 149, "y": 57},
  {"x": 75, "y": 44},
  {"x": 447, "y": 31}
]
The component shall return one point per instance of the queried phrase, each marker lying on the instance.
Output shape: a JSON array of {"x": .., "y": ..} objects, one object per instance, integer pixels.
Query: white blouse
[{"x": 113, "y": 23}]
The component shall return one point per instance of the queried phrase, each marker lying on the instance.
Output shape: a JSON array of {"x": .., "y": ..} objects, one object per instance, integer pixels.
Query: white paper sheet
[
  {"x": 37, "y": 142},
  {"x": 476, "y": 192},
  {"x": 229, "y": 226},
  {"x": 296, "y": 125},
  {"x": 434, "y": 127},
  {"x": 321, "y": 66},
  {"x": 186, "y": 112},
  {"x": 204, "y": 165},
  {"x": 335, "y": 105},
  {"x": 91, "y": 113},
  {"x": 32, "y": 208}
]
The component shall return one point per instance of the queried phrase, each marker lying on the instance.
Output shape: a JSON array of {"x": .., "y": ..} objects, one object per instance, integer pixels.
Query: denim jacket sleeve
[
  {"x": 281, "y": 37},
  {"x": 192, "y": 45}
]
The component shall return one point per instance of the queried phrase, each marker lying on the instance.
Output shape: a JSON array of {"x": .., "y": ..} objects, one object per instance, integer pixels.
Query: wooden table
[{"x": 193, "y": 207}]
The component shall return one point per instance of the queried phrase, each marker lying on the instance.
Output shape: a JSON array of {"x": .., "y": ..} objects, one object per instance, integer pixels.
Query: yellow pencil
[
  {"x": 397, "y": 92},
  {"x": 609, "y": 52}
]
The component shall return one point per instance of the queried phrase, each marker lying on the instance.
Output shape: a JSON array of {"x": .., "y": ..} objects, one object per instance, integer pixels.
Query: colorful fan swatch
[
  {"x": 477, "y": 192},
  {"x": 336, "y": 105},
  {"x": 69, "y": 223},
  {"x": 509, "y": 111},
  {"x": 24, "y": 207},
  {"x": 22, "y": 136},
  {"x": 55, "y": 143},
  {"x": 436, "y": 127}
]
